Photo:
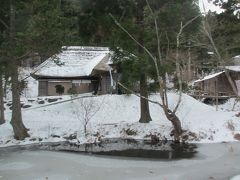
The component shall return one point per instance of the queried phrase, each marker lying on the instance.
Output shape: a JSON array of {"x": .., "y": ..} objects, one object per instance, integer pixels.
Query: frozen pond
[{"x": 213, "y": 161}]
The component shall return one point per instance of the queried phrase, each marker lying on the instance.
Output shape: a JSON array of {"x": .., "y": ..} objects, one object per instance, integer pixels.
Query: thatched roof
[{"x": 75, "y": 61}]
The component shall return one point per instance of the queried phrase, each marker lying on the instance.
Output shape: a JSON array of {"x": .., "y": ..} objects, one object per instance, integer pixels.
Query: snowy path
[{"x": 214, "y": 161}]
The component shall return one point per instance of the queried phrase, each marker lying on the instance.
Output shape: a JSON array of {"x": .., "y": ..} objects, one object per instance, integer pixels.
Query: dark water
[{"x": 167, "y": 150}]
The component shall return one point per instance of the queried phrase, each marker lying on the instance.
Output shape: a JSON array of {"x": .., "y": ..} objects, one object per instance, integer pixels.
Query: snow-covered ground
[
  {"x": 230, "y": 105},
  {"x": 116, "y": 116}
]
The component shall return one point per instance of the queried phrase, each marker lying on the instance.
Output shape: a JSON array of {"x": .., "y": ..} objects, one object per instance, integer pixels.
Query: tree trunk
[
  {"x": 85, "y": 130},
  {"x": 5, "y": 87},
  {"x": 177, "y": 131},
  {"x": 145, "y": 114},
  {"x": 2, "y": 118},
  {"x": 20, "y": 131}
]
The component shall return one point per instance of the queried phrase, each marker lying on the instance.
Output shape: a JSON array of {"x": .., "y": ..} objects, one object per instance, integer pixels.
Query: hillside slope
[{"x": 118, "y": 116}]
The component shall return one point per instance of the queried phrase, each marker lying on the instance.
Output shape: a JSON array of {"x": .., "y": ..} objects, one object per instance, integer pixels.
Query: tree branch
[
  {"x": 4, "y": 24},
  {"x": 157, "y": 34},
  {"x": 151, "y": 101},
  {"x": 147, "y": 51},
  {"x": 177, "y": 58},
  {"x": 138, "y": 43}
]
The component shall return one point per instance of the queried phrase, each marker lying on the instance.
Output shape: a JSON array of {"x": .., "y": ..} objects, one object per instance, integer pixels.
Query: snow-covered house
[
  {"x": 218, "y": 84},
  {"x": 77, "y": 69},
  {"x": 236, "y": 60},
  {"x": 31, "y": 61}
]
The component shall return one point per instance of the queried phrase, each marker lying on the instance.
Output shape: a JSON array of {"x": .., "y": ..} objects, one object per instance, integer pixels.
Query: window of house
[{"x": 59, "y": 89}]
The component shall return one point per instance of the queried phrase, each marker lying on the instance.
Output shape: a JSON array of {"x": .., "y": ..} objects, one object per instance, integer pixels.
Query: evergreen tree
[
  {"x": 134, "y": 17},
  {"x": 226, "y": 29},
  {"x": 3, "y": 29},
  {"x": 30, "y": 27},
  {"x": 101, "y": 30}
]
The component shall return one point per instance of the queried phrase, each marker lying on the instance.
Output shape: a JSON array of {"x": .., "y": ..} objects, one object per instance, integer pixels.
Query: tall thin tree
[
  {"x": 145, "y": 113},
  {"x": 20, "y": 131}
]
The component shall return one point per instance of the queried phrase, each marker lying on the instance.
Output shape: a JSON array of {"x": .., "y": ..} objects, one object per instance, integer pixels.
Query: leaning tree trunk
[
  {"x": 2, "y": 118},
  {"x": 177, "y": 128},
  {"x": 145, "y": 113},
  {"x": 20, "y": 131}
]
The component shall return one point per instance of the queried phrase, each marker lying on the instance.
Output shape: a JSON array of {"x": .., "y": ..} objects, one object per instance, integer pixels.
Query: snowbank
[{"x": 118, "y": 116}]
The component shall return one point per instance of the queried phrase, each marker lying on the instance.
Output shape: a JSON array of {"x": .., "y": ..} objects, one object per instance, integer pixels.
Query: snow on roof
[
  {"x": 73, "y": 61},
  {"x": 209, "y": 77},
  {"x": 233, "y": 68},
  {"x": 210, "y": 53}
]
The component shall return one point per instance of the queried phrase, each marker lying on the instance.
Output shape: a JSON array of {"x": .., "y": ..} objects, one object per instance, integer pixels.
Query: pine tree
[
  {"x": 181, "y": 33},
  {"x": 42, "y": 32},
  {"x": 3, "y": 27},
  {"x": 20, "y": 131},
  {"x": 133, "y": 16},
  {"x": 100, "y": 29},
  {"x": 226, "y": 29}
]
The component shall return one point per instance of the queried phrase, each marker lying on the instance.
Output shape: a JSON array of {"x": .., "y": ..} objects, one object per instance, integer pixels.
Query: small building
[
  {"x": 76, "y": 70},
  {"x": 218, "y": 84},
  {"x": 31, "y": 61},
  {"x": 236, "y": 60}
]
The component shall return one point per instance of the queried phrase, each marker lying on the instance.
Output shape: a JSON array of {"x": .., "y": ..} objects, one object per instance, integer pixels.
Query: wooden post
[{"x": 199, "y": 92}]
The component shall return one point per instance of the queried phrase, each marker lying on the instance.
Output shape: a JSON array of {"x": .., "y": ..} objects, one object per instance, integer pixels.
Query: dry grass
[
  {"x": 130, "y": 132},
  {"x": 237, "y": 136},
  {"x": 230, "y": 126}
]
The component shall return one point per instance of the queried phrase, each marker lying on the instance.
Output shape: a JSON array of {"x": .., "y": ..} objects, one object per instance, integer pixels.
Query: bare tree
[
  {"x": 169, "y": 113},
  {"x": 85, "y": 110}
]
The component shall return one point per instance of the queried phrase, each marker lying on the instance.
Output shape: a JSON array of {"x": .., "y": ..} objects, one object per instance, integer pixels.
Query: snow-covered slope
[{"x": 118, "y": 116}]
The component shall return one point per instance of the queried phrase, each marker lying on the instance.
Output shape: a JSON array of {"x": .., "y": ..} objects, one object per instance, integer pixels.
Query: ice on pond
[
  {"x": 237, "y": 177},
  {"x": 15, "y": 166},
  {"x": 213, "y": 161}
]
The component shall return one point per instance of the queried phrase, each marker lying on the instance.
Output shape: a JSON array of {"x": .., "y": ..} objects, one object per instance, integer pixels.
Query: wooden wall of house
[
  {"x": 224, "y": 85},
  {"x": 51, "y": 89},
  {"x": 215, "y": 85},
  {"x": 105, "y": 84},
  {"x": 218, "y": 84},
  {"x": 84, "y": 87},
  {"x": 235, "y": 75},
  {"x": 48, "y": 88},
  {"x": 42, "y": 88}
]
